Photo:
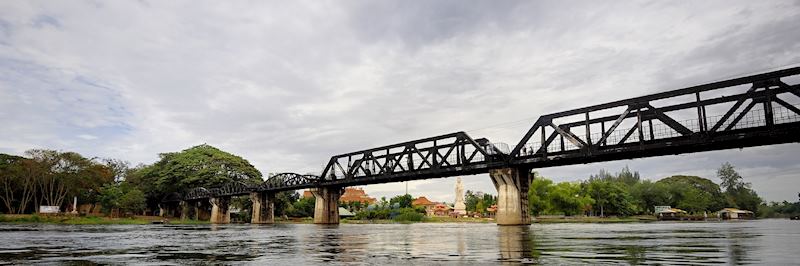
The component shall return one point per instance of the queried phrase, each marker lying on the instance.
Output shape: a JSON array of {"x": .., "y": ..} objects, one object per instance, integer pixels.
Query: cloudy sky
[{"x": 290, "y": 83}]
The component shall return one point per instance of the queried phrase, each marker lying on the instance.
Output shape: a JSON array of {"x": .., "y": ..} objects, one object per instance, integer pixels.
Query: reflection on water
[{"x": 749, "y": 242}]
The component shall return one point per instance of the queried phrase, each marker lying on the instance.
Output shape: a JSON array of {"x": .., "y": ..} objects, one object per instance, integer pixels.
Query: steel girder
[
  {"x": 440, "y": 156},
  {"x": 699, "y": 118}
]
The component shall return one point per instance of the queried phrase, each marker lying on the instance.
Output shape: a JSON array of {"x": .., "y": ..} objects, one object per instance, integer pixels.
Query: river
[{"x": 740, "y": 242}]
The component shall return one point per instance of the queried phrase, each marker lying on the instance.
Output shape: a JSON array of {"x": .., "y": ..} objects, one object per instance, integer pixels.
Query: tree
[
  {"x": 133, "y": 201},
  {"x": 404, "y": 201},
  {"x": 610, "y": 197},
  {"x": 739, "y": 193},
  {"x": 284, "y": 201},
  {"x": 198, "y": 166},
  {"x": 110, "y": 196},
  {"x": 731, "y": 180},
  {"x": 678, "y": 185},
  {"x": 119, "y": 168},
  {"x": 538, "y": 195},
  {"x": 470, "y": 200},
  {"x": 566, "y": 198},
  {"x": 694, "y": 200},
  {"x": 647, "y": 194},
  {"x": 628, "y": 177},
  {"x": 13, "y": 182},
  {"x": 304, "y": 207},
  {"x": 65, "y": 174}
]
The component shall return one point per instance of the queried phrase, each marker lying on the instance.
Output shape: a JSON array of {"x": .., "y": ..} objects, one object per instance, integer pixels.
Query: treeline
[
  {"x": 782, "y": 209},
  {"x": 53, "y": 178},
  {"x": 625, "y": 193}
]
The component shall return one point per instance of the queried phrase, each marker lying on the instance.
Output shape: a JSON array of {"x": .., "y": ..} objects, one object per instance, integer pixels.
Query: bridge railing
[
  {"x": 763, "y": 100},
  {"x": 430, "y": 154}
]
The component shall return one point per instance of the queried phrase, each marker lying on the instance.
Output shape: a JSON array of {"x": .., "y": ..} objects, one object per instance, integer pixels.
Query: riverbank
[
  {"x": 87, "y": 220},
  {"x": 99, "y": 220},
  {"x": 589, "y": 219}
]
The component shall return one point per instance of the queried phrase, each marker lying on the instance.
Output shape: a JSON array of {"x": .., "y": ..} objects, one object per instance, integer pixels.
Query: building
[
  {"x": 441, "y": 209},
  {"x": 351, "y": 194},
  {"x": 731, "y": 213},
  {"x": 424, "y": 202},
  {"x": 492, "y": 210},
  {"x": 355, "y": 194},
  {"x": 670, "y": 214}
]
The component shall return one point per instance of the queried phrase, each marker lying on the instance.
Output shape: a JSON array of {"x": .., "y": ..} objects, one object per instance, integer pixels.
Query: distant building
[
  {"x": 731, "y": 213},
  {"x": 492, "y": 210},
  {"x": 351, "y": 194},
  {"x": 424, "y": 202},
  {"x": 671, "y": 214},
  {"x": 441, "y": 209}
]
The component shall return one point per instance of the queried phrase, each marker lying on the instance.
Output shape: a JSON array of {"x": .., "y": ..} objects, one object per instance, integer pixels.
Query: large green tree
[
  {"x": 403, "y": 201},
  {"x": 648, "y": 194},
  {"x": 610, "y": 197},
  {"x": 738, "y": 192},
  {"x": 198, "y": 166},
  {"x": 707, "y": 189},
  {"x": 538, "y": 195}
]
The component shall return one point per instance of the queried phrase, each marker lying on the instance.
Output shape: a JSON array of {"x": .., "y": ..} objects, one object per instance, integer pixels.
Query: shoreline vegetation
[
  {"x": 62, "y": 180},
  {"x": 141, "y": 220},
  {"x": 87, "y": 220}
]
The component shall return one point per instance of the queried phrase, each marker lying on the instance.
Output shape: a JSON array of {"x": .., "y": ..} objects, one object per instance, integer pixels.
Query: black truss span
[
  {"x": 278, "y": 182},
  {"x": 737, "y": 113},
  {"x": 441, "y": 156},
  {"x": 742, "y": 112}
]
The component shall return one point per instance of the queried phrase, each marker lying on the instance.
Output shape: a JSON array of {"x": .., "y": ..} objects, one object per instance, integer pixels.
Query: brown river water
[{"x": 766, "y": 242}]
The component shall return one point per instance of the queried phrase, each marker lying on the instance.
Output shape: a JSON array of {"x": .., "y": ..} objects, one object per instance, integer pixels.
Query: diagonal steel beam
[
  {"x": 340, "y": 167},
  {"x": 547, "y": 143},
  {"x": 733, "y": 109},
  {"x": 741, "y": 115},
  {"x": 614, "y": 126},
  {"x": 791, "y": 89},
  {"x": 543, "y": 120},
  {"x": 569, "y": 136},
  {"x": 786, "y": 105},
  {"x": 669, "y": 121},
  {"x": 628, "y": 135}
]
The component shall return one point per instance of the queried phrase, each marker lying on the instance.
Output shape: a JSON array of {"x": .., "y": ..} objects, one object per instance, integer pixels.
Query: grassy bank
[
  {"x": 86, "y": 220},
  {"x": 424, "y": 220}
]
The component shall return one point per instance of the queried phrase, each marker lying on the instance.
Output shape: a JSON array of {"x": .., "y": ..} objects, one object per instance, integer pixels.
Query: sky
[{"x": 287, "y": 84}]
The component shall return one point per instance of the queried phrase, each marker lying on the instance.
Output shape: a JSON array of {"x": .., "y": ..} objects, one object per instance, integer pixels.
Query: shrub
[{"x": 410, "y": 215}]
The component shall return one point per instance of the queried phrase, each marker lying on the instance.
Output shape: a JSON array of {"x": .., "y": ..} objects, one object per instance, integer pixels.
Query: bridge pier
[
  {"x": 219, "y": 210},
  {"x": 167, "y": 210},
  {"x": 512, "y": 195},
  {"x": 201, "y": 210},
  {"x": 184, "y": 210},
  {"x": 326, "y": 207},
  {"x": 263, "y": 207}
]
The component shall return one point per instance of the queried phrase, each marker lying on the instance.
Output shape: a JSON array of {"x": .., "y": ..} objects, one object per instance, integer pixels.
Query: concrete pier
[
  {"x": 263, "y": 207},
  {"x": 512, "y": 195},
  {"x": 220, "y": 210},
  {"x": 185, "y": 209},
  {"x": 326, "y": 207}
]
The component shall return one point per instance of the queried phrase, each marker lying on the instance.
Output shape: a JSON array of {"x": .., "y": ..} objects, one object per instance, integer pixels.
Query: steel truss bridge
[{"x": 756, "y": 110}]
